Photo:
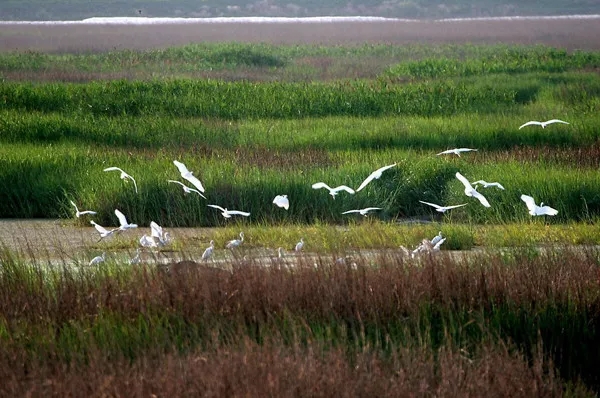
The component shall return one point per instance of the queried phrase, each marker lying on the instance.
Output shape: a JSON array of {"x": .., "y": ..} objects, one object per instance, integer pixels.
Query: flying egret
[
  {"x": 282, "y": 201},
  {"x": 158, "y": 233},
  {"x": 124, "y": 176},
  {"x": 81, "y": 213},
  {"x": 442, "y": 209},
  {"x": 374, "y": 176},
  {"x": 209, "y": 251},
  {"x": 148, "y": 241},
  {"x": 103, "y": 231},
  {"x": 123, "y": 221},
  {"x": 98, "y": 259},
  {"x": 456, "y": 151},
  {"x": 536, "y": 210},
  {"x": 543, "y": 124},
  {"x": 437, "y": 238},
  {"x": 333, "y": 191},
  {"x": 299, "y": 245},
  {"x": 137, "y": 258},
  {"x": 188, "y": 175},
  {"x": 470, "y": 191},
  {"x": 488, "y": 184},
  {"x": 228, "y": 213},
  {"x": 362, "y": 211},
  {"x": 235, "y": 242},
  {"x": 187, "y": 189}
]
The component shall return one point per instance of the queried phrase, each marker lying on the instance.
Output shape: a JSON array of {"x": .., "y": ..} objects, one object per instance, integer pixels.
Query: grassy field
[{"x": 353, "y": 315}]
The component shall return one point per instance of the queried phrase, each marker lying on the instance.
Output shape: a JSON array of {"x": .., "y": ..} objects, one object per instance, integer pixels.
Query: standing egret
[
  {"x": 188, "y": 175},
  {"x": 98, "y": 259},
  {"x": 437, "y": 238},
  {"x": 235, "y": 242},
  {"x": 543, "y": 124},
  {"x": 103, "y": 231},
  {"x": 374, "y": 176},
  {"x": 282, "y": 201},
  {"x": 228, "y": 213},
  {"x": 456, "y": 151},
  {"x": 442, "y": 209},
  {"x": 123, "y": 221},
  {"x": 81, "y": 213},
  {"x": 209, "y": 251},
  {"x": 437, "y": 245},
  {"x": 148, "y": 241},
  {"x": 333, "y": 191},
  {"x": 137, "y": 258},
  {"x": 299, "y": 245},
  {"x": 187, "y": 189},
  {"x": 470, "y": 191},
  {"x": 362, "y": 211},
  {"x": 488, "y": 184},
  {"x": 536, "y": 210},
  {"x": 124, "y": 176}
]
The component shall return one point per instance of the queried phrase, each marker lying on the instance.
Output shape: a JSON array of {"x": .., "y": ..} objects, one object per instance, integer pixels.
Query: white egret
[
  {"x": 470, "y": 191},
  {"x": 488, "y": 184},
  {"x": 188, "y": 175},
  {"x": 437, "y": 238},
  {"x": 536, "y": 210},
  {"x": 282, "y": 201},
  {"x": 374, "y": 176},
  {"x": 543, "y": 124},
  {"x": 81, "y": 213},
  {"x": 137, "y": 258},
  {"x": 437, "y": 245},
  {"x": 235, "y": 242},
  {"x": 280, "y": 253},
  {"x": 209, "y": 251},
  {"x": 148, "y": 241},
  {"x": 124, "y": 176},
  {"x": 103, "y": 231},
  {"x": 442, "y": 209},
  {"x": 362, "y": 211},
  {"x": 299, "y": 245},
  {"x": 158, "y": 233},
  {"x": 98, "y": 259},
  {"x": 456, "y": 151},
  {"x": 123, "y": 221},
  {"x": 187, "y": 189},
  {"x": 228, "y": 213},
  {"x": 333, "y": 191}
]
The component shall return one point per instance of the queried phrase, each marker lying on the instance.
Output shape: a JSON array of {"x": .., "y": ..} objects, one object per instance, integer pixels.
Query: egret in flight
[
  {"x": 362, "y": 211},
  {"x": 442, "y": 209},
  {"x": 187, "y": 189},
  {"x": 158, "y": 233},
  {"x": 228, "y": 213},
  {"x": 470, "y": 191},
  {"x": 81, "y": 213},
  {"x": 282, "y": 201},
  {"x": 333, "y": 191},
  {"x": 456, "y": 151},
  {"x": 488, "y": 184},
  {"x": 123, "y": 221},
  {"x": 103, "y": 231},
  {"x": 188, "y": 175},
  {"x": 536, "y": 210},
  {"x": 543, "y": 124},
  {"x": 124, "y": 176},
  {"x": 374, "y": 176}
]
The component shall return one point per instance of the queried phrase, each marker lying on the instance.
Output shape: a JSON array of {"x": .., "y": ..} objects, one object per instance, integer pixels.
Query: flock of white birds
[{"x": 159, "y": 238}]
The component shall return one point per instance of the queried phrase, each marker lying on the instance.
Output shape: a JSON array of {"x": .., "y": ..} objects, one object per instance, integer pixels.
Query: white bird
[
  {"x": 98, "y": 259},
  {"x": 374, "y": 176},
  {"x": 437, "y": 245},
  {"x": 442, "y": 209},
  {"x": 280, "y": 253},
  {"x": 187, "y": 189},
  {"x": 488, "y": 184},
  {"x": 236, "y": 242},
  {"x": 209, "y": 251},
  {"x": 103, "y": 231},
  {"x": 536, "y": 210},
  {"x": 333, "y": 191},
  {"x": 81, "y": 213},
  {"x": 456, "y": 151},
  {"x": 188, "y": 175},
  {"x": 470, "y": 191},
  {"x": 124, "y": 176},
  {"x": 123, "y": 221},
  {"x": 437, "y": 238},
  {"x": 282, "y": 201},
  {"x": 543, "y": 124},
  {"x": 362, "y": 211},
  {"x": 228, "y": 213},
  {"x": 148, "y": 241},
  {"x": 158, "y": 233},
  {"x": 299, "y": 245},
  {"x": 137, "y": 258}
]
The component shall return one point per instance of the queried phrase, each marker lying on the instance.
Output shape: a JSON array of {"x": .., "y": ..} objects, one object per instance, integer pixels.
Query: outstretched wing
[
  {"x": 366, "y": 181},
  {"x": 548, "y": 211},
  {"x": 238, "y": 213},
  {"x": 74, "y": 205},
  {"x": 529, "y": 201},
  {"x": 464, "y": 181},
  {"x": 113, "y": 169},
  {"x": 445, "y": 152},
  {"x": 194, "y": 181},
  {"x": 368, "y": 209},
  {"x": 216, "y": 207},
  {"x": 431, "y": 204},
  {"x": 556, "y": 121},
  {"x": 455, "y": 206},
  {"x": 344, "y": 188},
  {"x": 351, "y": 211},
  {"x": 157, "y": 230},
  {"x": 319, "y": 185},
  {"x": 533, "y": 122},
  {"x": 182, "y": 169},
  {"x": 177, "y": 182},
  {"x": 481, "y": 198},
  {"x": 121, "y": 217}
]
